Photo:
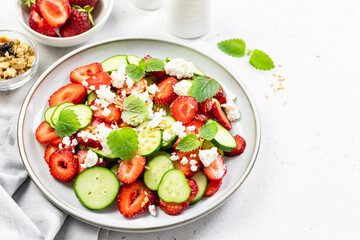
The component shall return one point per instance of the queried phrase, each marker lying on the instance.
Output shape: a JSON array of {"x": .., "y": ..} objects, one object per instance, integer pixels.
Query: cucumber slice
[
  {"x": 207, "y": 144},
  {"x": 113, "y": 63},
  {"x": 47, "y": 116},
  {"x": 84, "y": 114},
  {"x": 152, "y": 156},
  {"x": 91, "y": 97},
  {"x": 167, "y": 144},
  {"x": 223, "y": 139},
  {"x": 201, "y": 180},
  {"x": 115, "y": 168},
  {"x": 96, "y": 187},
  {"x": 132, "y": 59},
  {"x": 149, "y": 141},
  {"x": 158, "y": 166},
  {"x": 103, "y": 155},
  {"x": 174, "y": 187},
  {"x": 56, "y": 113}
]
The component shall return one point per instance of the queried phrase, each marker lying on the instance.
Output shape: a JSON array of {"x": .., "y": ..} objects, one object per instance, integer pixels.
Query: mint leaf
[
  {"x": 123, "y": 142},
  {"x": 153, "y": 65},
  {"x": 261, "y": 60},
  {"x": 68, "y": 123},
  {"x": 188, "y": 143},
  {"x": 233, "y": 47},
  {"x": 134, "y": 110},
  {"x": 135, "y": 72},
  {"x": 208, "y": 131},
  {"x": 203, "y": 88}
]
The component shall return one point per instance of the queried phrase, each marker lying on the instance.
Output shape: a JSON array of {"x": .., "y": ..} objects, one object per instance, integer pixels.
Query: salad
[{"x": 144, "y": 131}]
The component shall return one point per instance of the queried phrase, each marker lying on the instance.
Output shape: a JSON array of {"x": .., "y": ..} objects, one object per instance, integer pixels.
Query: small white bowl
[{"x": 100, "y": 14}]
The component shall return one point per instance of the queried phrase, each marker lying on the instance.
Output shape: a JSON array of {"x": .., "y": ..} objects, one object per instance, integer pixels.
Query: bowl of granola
[{"x": 18, "y": 59}]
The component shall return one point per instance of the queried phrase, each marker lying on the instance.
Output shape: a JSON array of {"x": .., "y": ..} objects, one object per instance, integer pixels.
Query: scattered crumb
[
  {"x": 285, "y": 103},
  {"x": 274, "y": 89},
  {"x": 267, "y": 96},
  {"x": 279, "y": 65},
  {"x": 274, "y": 74},
  {"x": 317, "y": 56},
  {"x": 271, "y": 85},
  {"x": 279, "y": 76},
  {"x": 281, "y": 79}
]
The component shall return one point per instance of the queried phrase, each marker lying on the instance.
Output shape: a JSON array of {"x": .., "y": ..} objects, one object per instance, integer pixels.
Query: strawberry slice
[
  {"x": 40, "y": 25},
  {"x": 80, "y": 74},
  {"x": 166, "y": 94},
  {"x": 48, "y": 151},
  {"x": 35, "y": 7},
  {"x": 100, "y": 78},
  {"x": 220, "y": 93},
  {"x": 217, "y": 169},
  {"x": 221, "y": 117},
  {"x": 73, "y": 92},
  {"x": 212, "y": 187},
  {"x": 129, "y": 171},
  {"x": 56, "y": 141},
  {"x": 55, "y": 12},
  {"x": 203, "y": 117},
  {"x": 222, "y": 100},
  {"x": 240, "y": 147},
  {"x": 205, "y": 107},
  {"x": 173, "y": 208},
  {"x": 186, "y": 168},
  {"x": 160, "y": 75},
  {"x": 92, "y": 128},
  {"x": 81, "y": 156},
  {"x": 134, "y": 198},
  {"x": 44, "y": 133},
  {"x": 63, "y": 165},
  {"x": 113, "y": 116},
  {"x": 184, "y": 108},
  {"x": 194, "y": 189},
  {"x": 138, "y": 87},
  {"x": 190, "y": 125}
]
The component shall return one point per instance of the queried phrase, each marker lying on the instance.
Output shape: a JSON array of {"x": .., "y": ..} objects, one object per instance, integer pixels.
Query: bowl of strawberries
[{"x": 62, "y": 23}]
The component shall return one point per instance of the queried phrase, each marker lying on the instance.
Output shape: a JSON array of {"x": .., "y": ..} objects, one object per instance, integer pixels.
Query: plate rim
[{"x": 70, "y": 210}]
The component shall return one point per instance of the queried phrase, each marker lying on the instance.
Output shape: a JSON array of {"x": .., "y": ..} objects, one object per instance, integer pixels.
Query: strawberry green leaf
[
  {"x": 135, "y": 72},
  {"x": 153, "y": 65},
  {"x": 261, "y": 60},
  {"x": 29, "y": 2},
  {"x": 208, "y": 131},
  {"x": 203, "y": 88},
  {"x": 188, "y": 143},
  {"x": 123, "y": 142},
  {"x": 233, "y": 47},
  {"x": 68, "y": 123},
  {"x": 134, "y": 110}
]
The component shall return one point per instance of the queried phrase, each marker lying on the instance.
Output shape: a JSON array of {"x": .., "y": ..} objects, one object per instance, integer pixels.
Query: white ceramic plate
[{"x": 62, "y": 194}]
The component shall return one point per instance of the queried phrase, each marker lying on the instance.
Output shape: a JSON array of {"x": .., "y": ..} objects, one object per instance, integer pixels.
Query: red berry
[
  {"x": 221, "y": 117},
  {"x": 92, "y": 127},
  {"x": 100, "y": 78},
  {"x": 240, "y": 147},
  {"x": 212, "y": 187},
  {"x": 73, "y": 92},
  {"x": 40, "y": 25},
  {"x": 203, "y": 117},
  {"x": 129, "y": 171},
  {"x": 78, "y": 22},
  {"x": 48, "y": 151},
  {"x": 55, "y": 12},
  {"x": 35, "y": 7},
  {"x": 186, "y": 168},
  {"x": 217, "y": 169},
  {"x": 62, "y": 165},
  {"x": 83, "y": 73},
  {"x": 160, "y": 75},
  {"x": 194, "y": 189},
  {"x": 134, "y": 198},
  {"x": 44, "y": 133},
  {"x": 205, "y": 107},
  {"x": 114, "y": 115},
  {"x": 173, "y": 208},
  {"x": 166, "y": 94},
  {"x": 184, "y": 108},
  {"x": 56, "y": 141},
  {"x": 220, "y": 93},
  {"x": 222, "y": 100},
  {"x": 147, "y": 57},
  {"x": 83, "y": 3},
  {"x": 81, "y": 156}
]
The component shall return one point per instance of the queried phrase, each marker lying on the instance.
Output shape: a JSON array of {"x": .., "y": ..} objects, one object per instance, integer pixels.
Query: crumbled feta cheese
[
  {"x": 232, "y": 111},
  {"x": 101, "y": 160},
  {"x": 113, "y": 126},
  {"x": 193, "y": 155},
  {"x": 60, "y": 146},
  {"x": 191, "y": 128},
  {"x": 157, "y": 118},
  {"x": 74, "y": 142},
  {"x": 106, "y": 112},
  {"x": 174, "y": 157},
  {"x": 180, "y": 68},
  {"x": 85, "y": 135},
  {"x": 93, "y": 108},
  {"x": 119, "y": 76},
  {"x": 152, "y": 89},
  {"x": 129, "y": 82},
  {"x": 182, "y": 88},
  {"x": 102, "y": 136},
  {"x": 184, "y": 161},
  {"x": 193, "y": 162},
  {"x": 208, "y": 156},
  {"x": 90, "y": 160},
  {"x": 66, "y": 141},
  {"x": 123, "y": 93},
  {"x": 143, "y": 96},
  {"x": 179, "y": 129},
  {"x": 152, "y": 210},
  {"x": 167, "y": 135},
  {"x": 92, "y": 88},
  {"x": 85, "y": 83},
  {"x": 104, "y": 93},
  {"x": 194, "y": 168}
]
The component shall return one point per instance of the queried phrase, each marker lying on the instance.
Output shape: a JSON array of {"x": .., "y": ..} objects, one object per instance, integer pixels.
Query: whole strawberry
[
  {"x": 83, "y": 3},
  {"x": 80, "y": 21}
]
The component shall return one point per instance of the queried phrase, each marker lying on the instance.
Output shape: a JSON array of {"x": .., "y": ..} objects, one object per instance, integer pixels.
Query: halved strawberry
[
  {"x": 173, "y": 208},
  {"x": 63, "y": 165},
  {"x": 138, "y": 87},
  {"x": 44, "y": 133},
  {"x": 35, "y": 6},
  {"x": 203, "y": 117},
  {"x": 222, "y": 100},
  {"x": 55, "y": 12},
  {"x": 217, "y": 169},
  {"x": 83, "y": 3},
  {"x": 205, "y": 107},
  {"x": 240, "y": 147},
  {"x": 212, "y": 187},
  {"x": 134, "y": 198},
  {"x": 221, "y": 117},
  {"x": 100, "y": 78},
  {"x": 194, "y": 189},
  {"x": 91, "y": 128},
  {"x": 166, "y": 94},
  {"x": 112, "y": 117},
  {"x": 81, "y": 156},
  {"x": 160, "y": 75},
  {"x": 48, "y": 151},
  {"x": 83, "y": 73},
  {"x": 56, "y": 141},
  {"x": 190, "y": 125},
  {"x": 186, "y": 168},
  {"x": 40, "y": 25},
  {"x": 73, "y": 92},
  {"x": 184, "y": 108},
  {"x": 80, "y": 21},
  {"x": 129, "y": 171}
]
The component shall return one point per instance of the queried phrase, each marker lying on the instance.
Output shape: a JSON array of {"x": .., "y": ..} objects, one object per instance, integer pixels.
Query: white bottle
[
  {"x": 148, "y": 4},
  {"x": 188, "y": 18}
]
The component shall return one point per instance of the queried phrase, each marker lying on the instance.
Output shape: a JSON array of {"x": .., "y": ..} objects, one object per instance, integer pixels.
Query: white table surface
[{"x": 306, "y": 181}]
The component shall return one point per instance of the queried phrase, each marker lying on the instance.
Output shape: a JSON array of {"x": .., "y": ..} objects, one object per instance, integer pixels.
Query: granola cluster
[{"x": 15, "y": 58}]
